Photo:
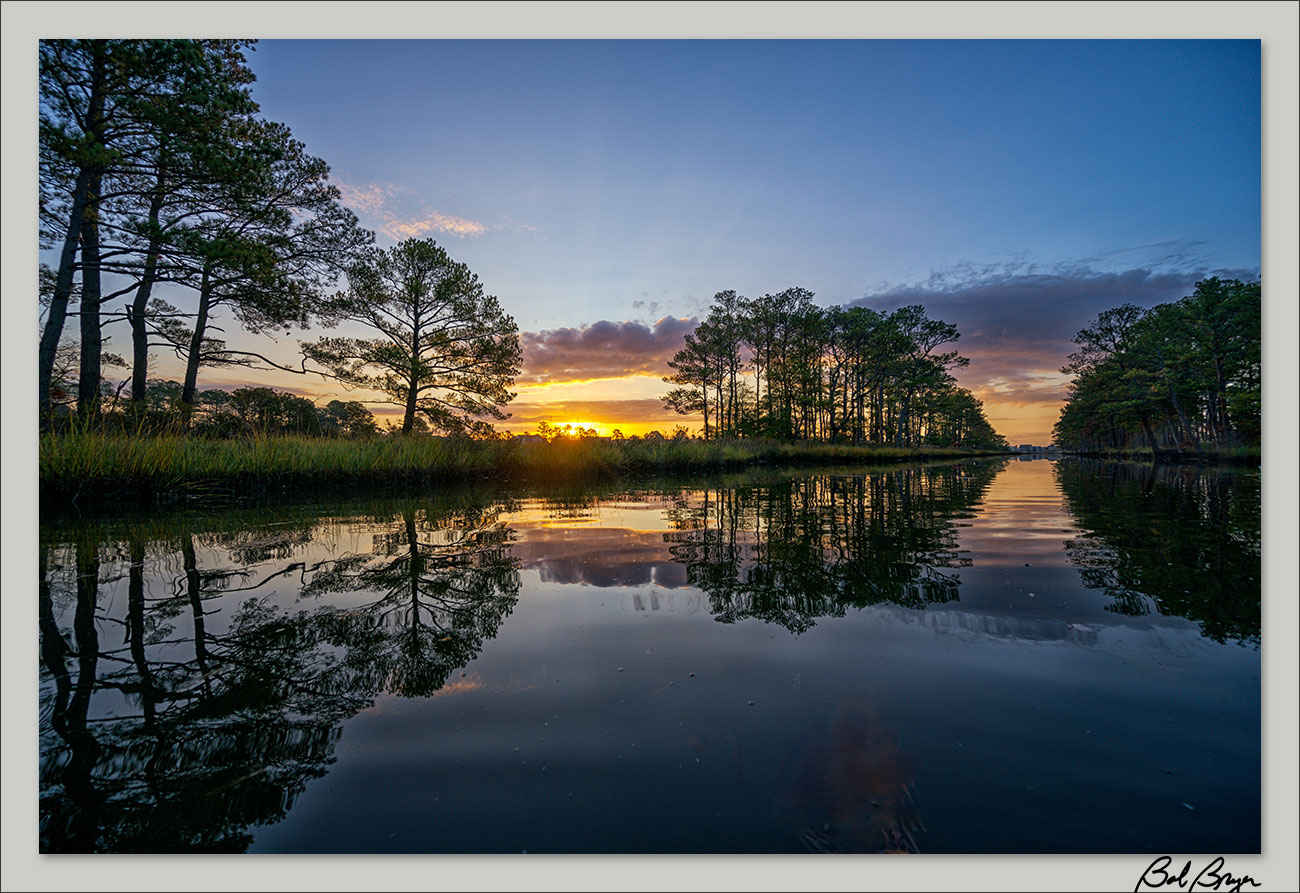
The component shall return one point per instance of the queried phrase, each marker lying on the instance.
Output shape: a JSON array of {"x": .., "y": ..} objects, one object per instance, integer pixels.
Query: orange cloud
[{"x": 398, "y": 213}]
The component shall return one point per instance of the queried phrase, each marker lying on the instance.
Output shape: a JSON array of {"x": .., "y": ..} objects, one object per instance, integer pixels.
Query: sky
[{"x": 605, "y": 190}]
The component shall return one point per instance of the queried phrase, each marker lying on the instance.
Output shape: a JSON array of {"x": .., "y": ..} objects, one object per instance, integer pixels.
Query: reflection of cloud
[
  {"x": 1017, "y": 321},
  {"x": 604, "y": 349},
  {"x": 600, "y": 556},
  {"x": 397, "y": 212},
  {"x": 458, "y": 687}
]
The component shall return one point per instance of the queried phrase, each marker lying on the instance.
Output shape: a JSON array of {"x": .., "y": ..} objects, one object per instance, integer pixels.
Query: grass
[{"x": 162, "y": 467}]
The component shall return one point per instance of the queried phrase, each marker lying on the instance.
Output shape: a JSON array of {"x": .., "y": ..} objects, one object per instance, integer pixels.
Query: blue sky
[
  {"x": 612, "y": 172},
  {"x": 1016, "y": 188}
]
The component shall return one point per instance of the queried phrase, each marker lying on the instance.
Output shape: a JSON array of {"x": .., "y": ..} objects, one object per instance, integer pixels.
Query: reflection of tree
[
  {"x": 70, "y": 803},
  {"x": 443, "y": 586},
  {"x": 197, "y": 707},
  {"x": 795, "y": 549},
  {"x": 199, "y": 734},
  {"x": 1180, "y": 540}
]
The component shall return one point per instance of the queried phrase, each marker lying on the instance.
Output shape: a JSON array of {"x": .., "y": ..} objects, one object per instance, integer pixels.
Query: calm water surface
[{"x": 1000, "y": 657}]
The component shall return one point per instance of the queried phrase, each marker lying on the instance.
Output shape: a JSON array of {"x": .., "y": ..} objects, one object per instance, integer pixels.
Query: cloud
[
  {"x": 221, "y": 383},
  {"x": 434, "y": 222},
  {"x": 367, "y": 199},
  {"x": 1017, "y": 321},
  {"x": 604, "y": 349},
  {"x": 397, "y": 212}
]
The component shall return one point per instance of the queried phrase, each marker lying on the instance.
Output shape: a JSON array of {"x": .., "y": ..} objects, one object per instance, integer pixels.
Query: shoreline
[
  {"x": 160, "y": 470},
  {"x": 1236, "y": 456}
]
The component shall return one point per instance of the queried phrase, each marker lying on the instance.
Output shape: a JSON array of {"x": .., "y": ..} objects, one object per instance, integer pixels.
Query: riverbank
[
  {"x": 1208, "y": 455},
  {"x": 79, "y": 466}
]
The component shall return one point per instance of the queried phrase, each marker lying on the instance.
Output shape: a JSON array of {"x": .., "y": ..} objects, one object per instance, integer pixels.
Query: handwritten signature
[{"x": 1211, "y": 877}]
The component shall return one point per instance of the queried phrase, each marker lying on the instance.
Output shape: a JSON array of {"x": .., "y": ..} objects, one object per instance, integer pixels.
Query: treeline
[
  {"x": 157, "y": 173},
  {"x": 1183, "y": 376},
  {"x": 783, "y": 368},
  {"x": 257, "y": 410}
]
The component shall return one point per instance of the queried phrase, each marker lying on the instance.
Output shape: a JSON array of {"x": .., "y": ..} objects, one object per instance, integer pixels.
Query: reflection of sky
[
  {"x": 638, "y": 514},
  {"x": 1021, "y": 519},
  {"x": 1018, "y": 583},
  {"x": 598, "y": 556},
  {"x": 609, "y": 543}
]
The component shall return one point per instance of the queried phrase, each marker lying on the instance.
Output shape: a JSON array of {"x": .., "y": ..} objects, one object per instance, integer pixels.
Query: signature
[{"x": 1211, "y": 877}]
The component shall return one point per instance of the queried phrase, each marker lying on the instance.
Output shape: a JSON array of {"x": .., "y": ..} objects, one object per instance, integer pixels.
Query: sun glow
[{"x": 576, "y": 427}]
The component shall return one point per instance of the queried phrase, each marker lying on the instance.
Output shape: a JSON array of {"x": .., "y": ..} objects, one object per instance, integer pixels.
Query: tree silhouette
[{"x": 446, "y": 348}]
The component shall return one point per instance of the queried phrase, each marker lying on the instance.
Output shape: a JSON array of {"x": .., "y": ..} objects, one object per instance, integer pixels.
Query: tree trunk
[
  {"x": 408, "y": 419},
  {"x": 139, "y": 334},
  {"x": 903, "y": 418},
  {"x": 190, "y": 388},
  {"x": 59, "y": 302},
  {"x": 92, "y": 339}
]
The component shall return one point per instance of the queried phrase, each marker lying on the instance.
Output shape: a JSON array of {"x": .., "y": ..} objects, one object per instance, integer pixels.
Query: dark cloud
[
  {"x": 652, "y": 307},
  {"x": 605, "y": 349},
  {"x": 1017, "y": 321}
]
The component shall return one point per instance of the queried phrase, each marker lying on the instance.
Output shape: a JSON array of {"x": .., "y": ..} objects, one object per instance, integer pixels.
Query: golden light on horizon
[{"x": 600, "y": 429}]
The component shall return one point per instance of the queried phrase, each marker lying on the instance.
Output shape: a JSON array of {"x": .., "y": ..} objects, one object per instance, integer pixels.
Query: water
[{"x": 990, "y": 657}]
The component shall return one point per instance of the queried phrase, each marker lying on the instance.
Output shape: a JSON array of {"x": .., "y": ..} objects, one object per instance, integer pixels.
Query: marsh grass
[{"x": 161, "y": 467}]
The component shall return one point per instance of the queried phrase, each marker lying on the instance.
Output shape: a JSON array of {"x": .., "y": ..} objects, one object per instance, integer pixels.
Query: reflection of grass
[
  {"x": 101, "y": 464},
  {"x": 1241, "y": 454}
]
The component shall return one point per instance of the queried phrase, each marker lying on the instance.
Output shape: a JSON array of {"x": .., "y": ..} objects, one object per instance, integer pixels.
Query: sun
[{"x": 575, "y": 426}]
